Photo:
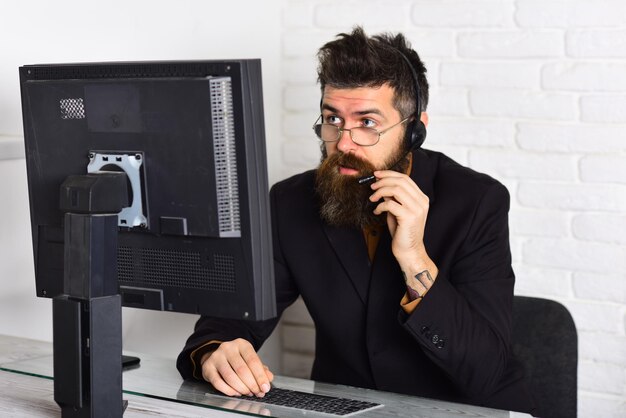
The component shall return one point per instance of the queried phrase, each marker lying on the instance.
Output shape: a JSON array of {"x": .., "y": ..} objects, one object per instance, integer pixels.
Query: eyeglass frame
[{"x": 340, "y": 131}]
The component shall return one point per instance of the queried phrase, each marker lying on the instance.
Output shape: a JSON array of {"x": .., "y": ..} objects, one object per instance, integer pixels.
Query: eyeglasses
[{"x": 360, "y": 135}]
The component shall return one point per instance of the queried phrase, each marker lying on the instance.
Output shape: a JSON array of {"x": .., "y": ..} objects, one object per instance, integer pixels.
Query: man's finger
[
  {"x": 212, "y": 376},
  {"x": 232, "y": 379},
  {"x": 257, "y": 369}
]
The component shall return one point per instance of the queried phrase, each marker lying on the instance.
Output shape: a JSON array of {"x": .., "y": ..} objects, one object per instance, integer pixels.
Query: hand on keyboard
[{"x": 235, "y": 369}]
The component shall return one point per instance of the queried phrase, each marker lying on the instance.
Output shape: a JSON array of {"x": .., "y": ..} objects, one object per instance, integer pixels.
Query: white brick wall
[
  {"x": 511, "y": 44},
  {"x": 572, "y": 196},
  {"x": 600, "y": 227},
  {"x": 609, "y": 108},
  {"x": 522, "y": 104},
  {"x": 596, "y": 43},
  {"x": 452, "y": 13},
  {"x": 573, "y": 138},
  {"x": 488, "y": 74},
  {"x": 602, "y": 168},
  {"x": 570, "y": 13},
  {"x": 533, "y": 93},
  {"x": 574, "y": 76}
]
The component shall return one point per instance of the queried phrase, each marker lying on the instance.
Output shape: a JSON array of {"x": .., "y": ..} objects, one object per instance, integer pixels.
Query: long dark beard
[{"x": 345, "y": 202}]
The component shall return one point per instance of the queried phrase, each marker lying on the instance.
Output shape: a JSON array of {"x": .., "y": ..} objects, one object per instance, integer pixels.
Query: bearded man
[{"x": 400, "y": 254}]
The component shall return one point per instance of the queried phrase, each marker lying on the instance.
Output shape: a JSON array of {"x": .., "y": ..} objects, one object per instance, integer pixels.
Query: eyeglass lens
[{"x": 330, "y": 133}]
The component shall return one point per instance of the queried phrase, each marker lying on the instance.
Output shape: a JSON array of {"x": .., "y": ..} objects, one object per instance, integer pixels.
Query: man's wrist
[
  {"x": 419, "y": 275},
  {"x": 415, "y": 260},
  {"x": 416, "y": 266},
  {"x": 200, "y": 354}
]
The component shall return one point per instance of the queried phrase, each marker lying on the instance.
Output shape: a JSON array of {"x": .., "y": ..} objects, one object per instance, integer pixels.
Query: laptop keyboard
[{"x": 313, "y": 402}]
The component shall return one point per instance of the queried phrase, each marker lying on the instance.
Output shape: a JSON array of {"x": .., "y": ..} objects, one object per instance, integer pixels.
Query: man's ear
[{"x": 424, "y": 118}]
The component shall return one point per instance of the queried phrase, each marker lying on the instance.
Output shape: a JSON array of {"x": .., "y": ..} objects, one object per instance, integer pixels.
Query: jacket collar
[{"x": 423, "y": 169}]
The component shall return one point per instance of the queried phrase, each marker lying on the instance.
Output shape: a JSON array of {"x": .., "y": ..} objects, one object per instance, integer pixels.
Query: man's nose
[{"x": 345, "y": 143}]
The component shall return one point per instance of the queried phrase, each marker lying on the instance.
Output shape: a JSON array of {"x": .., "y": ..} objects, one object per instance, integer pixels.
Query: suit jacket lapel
[
  {"x": 349, "y": 245},
  {"x": 385, "y": 290},
  {"x": 422, "y": 172}
]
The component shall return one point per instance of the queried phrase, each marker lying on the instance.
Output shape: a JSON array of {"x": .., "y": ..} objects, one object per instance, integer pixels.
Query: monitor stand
[{"x": 87, "y": 317}]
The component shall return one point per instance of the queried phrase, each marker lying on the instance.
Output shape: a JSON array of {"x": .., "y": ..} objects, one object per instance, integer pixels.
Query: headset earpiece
[
  {"x": 415, "y": 135},
  {"x": 415, "y": 130}
]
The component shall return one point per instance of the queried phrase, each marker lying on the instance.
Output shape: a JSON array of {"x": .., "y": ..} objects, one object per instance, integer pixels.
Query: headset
[
  {"x": 415, "y": 133},
  {"x": 416, "y": 130}
]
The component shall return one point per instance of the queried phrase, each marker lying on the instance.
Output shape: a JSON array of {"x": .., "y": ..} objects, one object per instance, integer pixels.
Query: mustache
[{"x": 341, "y": 159}]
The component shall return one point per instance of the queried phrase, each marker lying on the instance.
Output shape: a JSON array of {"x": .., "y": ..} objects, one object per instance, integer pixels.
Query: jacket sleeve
[
  {"x": 217, "y": 329},
  {"x": 463, "y": 324}
]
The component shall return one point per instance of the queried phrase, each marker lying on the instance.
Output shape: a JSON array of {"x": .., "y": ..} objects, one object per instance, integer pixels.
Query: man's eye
[
  {"x": 368, "y": 123},
  {"x": 333, "y": 120}
]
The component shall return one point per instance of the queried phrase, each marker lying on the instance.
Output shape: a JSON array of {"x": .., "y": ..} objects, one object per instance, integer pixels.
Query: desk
[{"x": 156, "y": 389}]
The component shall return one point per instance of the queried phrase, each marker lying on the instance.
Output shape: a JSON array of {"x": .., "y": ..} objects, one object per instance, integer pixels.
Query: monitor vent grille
[
  {"x": 126, "y": 70},
  {"x": 225, "y": 157},
  {"x": 158, "y": 267},
  {"x": 72, "y": 108}
]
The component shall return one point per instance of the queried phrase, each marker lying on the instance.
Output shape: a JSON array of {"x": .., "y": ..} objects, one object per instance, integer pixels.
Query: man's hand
[
  {"x": 235, "y": 369},
  {"x": 407, "y": 209}
]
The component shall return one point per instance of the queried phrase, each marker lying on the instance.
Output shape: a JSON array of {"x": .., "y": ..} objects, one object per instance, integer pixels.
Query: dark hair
[{"x": 356, "y": 60}]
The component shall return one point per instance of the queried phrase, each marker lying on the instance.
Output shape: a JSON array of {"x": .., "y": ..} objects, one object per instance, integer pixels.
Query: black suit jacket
[{"x": 456, "y": 345}]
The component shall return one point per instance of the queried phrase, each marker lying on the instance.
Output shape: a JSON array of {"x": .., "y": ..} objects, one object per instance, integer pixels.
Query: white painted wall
[{"x": 40, "y": 31}]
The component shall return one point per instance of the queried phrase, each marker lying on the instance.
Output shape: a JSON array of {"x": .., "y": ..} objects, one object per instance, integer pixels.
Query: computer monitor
[{"x": 189, "y": 136}]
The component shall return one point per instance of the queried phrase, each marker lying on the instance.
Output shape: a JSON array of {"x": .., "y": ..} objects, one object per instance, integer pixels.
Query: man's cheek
[{"x": 331, "y": 148}]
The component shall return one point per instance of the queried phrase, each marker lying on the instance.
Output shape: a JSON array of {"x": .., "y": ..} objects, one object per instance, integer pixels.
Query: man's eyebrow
[
  {"x": 360, "y": 112},
  {"x": 328, "y": 107},
  {"x": 369, "y": 112}
]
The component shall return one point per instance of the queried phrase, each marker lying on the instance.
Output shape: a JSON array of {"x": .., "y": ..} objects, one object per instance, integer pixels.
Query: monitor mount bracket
[{"x": 130, "y": 163}]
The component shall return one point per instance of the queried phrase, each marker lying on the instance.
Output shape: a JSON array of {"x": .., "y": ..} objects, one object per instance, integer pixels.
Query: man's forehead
[{"x": 359, "y": 98}]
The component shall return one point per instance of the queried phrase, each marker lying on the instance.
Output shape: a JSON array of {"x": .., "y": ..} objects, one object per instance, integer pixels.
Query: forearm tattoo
[{"x": 424, "y": 278}]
